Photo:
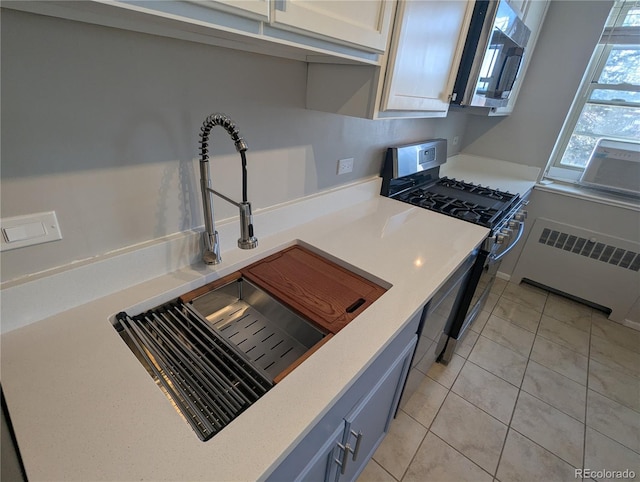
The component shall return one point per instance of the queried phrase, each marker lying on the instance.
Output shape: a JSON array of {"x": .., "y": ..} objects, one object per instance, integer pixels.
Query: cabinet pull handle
[
  {"x": 358, "y": 437},
  {"x": 345, "y": 457}
]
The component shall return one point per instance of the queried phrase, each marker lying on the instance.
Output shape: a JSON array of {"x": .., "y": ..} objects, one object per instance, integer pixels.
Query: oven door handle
[{"x": 513, "y": 243}]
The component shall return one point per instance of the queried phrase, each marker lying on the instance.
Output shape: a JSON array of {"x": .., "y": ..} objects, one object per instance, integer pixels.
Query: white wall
[{"x": 101, "y": 126}]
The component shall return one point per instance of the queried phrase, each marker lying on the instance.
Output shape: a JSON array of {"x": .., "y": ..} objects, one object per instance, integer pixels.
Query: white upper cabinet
[
  {"x": 532, "y": 13},
  {"x": 414, "y": 80},
  {"x": 355, "y": 31},
  {"x": 425, "y": 53},
  {"x": 365, "y": 23}
]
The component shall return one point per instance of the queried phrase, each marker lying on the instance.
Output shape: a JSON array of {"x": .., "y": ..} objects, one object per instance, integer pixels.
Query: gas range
[
  {"x": 411, "y": 174},
  {"x": 467, "y": 201}
]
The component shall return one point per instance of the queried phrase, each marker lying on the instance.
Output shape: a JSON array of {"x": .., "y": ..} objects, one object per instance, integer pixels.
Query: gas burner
[
  {"x": 424, "y": 201},
  {"x": 475, "y": 214},
  {"x": 456, "y": 205},
  {"x": 491, "y": 193},
  {"x": 469, "y": 211},
  {"x": 454, "y": 184},
  {"x": 424, "y": 198}
]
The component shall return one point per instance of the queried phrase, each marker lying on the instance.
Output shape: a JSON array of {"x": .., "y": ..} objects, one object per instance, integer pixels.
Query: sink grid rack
[{"x": 207, "y": 380}]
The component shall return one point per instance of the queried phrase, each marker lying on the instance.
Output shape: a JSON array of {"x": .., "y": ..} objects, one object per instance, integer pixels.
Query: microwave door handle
[
  {"x": 511, "y": 245},
  {"x": 518, "y": 54}
]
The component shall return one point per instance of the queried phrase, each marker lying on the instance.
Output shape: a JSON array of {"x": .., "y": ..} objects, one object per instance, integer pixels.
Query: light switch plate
[{"x": 21, "y": 231}]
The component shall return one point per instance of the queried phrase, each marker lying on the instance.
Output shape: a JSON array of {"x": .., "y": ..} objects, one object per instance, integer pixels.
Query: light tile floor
[{"x": 541, "y": 386}]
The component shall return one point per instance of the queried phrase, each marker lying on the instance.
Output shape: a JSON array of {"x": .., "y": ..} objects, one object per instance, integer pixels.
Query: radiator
[{"x": 591, "y": 266}]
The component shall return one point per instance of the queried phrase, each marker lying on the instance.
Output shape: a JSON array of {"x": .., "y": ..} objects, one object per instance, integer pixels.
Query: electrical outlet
[
  {"x": 345, "y": 165},
  {"x": 456, "y": 140}
]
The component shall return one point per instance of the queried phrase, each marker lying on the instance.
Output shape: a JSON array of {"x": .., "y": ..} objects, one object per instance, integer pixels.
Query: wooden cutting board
[{"x": 314, "y": 287}]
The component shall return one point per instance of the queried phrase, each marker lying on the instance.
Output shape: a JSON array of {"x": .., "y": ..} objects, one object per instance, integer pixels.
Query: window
[{"x": 608, "y": 101}]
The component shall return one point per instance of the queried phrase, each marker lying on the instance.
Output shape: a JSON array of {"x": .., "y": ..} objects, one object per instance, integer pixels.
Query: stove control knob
[
  {"x": 520, "y": 215},
  {"x": 500, "y": 238},
  {"x": 513, "y": 224},
  {"x": 507, "y": 232}
]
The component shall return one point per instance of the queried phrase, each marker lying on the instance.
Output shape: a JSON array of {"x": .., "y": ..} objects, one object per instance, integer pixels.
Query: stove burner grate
[
  {"x": 475, "y": 189},
  {"x": 476, "y": 204}
]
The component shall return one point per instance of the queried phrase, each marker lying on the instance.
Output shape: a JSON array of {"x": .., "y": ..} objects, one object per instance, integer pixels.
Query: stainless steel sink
[
  {"x": 216, "y": 355},
  {"x": 269, "y": 334}
]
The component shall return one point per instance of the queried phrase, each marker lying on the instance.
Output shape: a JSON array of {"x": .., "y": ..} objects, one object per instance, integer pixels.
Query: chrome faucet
[{"x": 211, "y": 253}]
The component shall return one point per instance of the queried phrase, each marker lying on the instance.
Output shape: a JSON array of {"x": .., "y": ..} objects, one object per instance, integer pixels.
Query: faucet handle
[
  {"x": 247, "y": 240},
  {"x": 211, "y": 248}
]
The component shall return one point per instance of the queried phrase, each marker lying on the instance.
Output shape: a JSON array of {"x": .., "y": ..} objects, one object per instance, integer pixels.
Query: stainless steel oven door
[
  {"x": 488, "y": 277},
  {"x": 476, "y": 293}
]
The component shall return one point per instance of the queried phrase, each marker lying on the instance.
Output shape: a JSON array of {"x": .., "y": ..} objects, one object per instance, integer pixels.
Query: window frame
[{"x": 614, "y": 34}]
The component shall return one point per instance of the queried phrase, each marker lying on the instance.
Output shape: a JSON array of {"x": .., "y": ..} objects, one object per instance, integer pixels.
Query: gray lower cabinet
[
  {"x": 368, "y": 423},
  {"x": 341, "y": 444},
  {"x": 324, "y": 466}
]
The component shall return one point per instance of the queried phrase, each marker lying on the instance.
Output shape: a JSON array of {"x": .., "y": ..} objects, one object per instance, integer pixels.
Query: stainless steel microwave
[{"x": 492, "y": 55}]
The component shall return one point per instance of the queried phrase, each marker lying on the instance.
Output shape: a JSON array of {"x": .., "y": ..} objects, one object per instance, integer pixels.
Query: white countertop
[
  {"x": 84, "y": 408},
  {"x": 502, "y": 175}
]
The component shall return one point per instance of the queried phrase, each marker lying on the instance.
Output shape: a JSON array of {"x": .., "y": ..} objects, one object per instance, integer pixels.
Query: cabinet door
[
  {"x": 323, "y": 465},
  {"x": 369, "y": 421},
  {"x": 320, "y": 453},
  {"x": 362, "y": 22},
  {"x": 425, "y": 53}
]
